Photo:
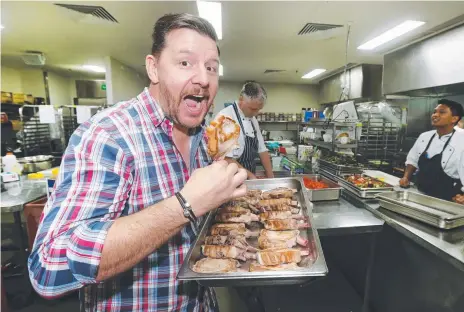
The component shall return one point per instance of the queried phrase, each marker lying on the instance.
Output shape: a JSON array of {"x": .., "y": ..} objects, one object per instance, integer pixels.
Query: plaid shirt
[{"x": 116, "y": 164}]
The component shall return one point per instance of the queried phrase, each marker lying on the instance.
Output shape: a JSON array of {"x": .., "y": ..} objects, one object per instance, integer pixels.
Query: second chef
[{"x": 251, "y": 143}]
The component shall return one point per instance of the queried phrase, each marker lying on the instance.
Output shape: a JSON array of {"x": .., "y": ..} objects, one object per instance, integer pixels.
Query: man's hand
[
  {"x": 251, "y": 176},
  {"x": 404, "y": 182},
  {"x": 211, "y": 186},
  {"x": 459, "y": 199}
]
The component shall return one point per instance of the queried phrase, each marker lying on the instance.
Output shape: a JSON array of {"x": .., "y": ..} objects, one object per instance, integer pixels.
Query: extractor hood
[
  {"x": 432, "y": 67},
  {"x": 364, "y": 83}
]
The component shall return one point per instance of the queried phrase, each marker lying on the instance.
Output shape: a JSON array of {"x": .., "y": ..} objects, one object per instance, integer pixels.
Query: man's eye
[
  {"x": 185, "y": 63},
  {"x": 211, "y": 69}
]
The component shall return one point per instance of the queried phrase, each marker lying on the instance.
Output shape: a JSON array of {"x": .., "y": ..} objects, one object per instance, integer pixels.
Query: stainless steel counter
[
  {"x": 19, "y": 193},
  {"x": 447, "y": 244},
  {"x": 342, "y": 217}
]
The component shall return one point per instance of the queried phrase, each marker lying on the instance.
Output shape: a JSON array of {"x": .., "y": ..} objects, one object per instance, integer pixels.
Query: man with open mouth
[
  {"x": 134, "y": 184},
  {"x": 438, "y": 155}
]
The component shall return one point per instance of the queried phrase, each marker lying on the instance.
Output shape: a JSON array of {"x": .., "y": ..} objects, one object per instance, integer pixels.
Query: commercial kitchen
[{"x": 338, "y": 122}]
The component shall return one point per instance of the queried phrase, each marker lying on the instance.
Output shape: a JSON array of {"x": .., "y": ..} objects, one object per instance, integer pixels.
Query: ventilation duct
[
  {"x": 89, "y": 13},
  {"x": 430, "y": 67},
  {"x": 363, "y": 82},
  {"x": 33, "y": 58},
  {"x": 310, "y": 28}
]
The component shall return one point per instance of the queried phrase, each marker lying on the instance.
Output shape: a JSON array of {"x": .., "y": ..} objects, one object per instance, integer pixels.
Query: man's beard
[{"x": 171, "y": 107}]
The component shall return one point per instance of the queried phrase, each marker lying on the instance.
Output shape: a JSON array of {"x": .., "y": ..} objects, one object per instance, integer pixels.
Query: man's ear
[
  {"x": 151, "y": 65},
  {"x": 455, "y": 119}
]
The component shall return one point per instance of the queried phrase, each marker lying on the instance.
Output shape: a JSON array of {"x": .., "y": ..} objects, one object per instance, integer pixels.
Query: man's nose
[{"x": 201, "y": 77}]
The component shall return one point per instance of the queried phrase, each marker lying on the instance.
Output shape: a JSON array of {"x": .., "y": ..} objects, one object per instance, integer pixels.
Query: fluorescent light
[
  {"x": 391, "y": 34},
  {"x": 313, "y": 73},
  {"x": 1, "y": 26},
  {"x": 221, "y": 70},
  {"x": 94, "y": 68},
  {"x": 212, "y": 12}
]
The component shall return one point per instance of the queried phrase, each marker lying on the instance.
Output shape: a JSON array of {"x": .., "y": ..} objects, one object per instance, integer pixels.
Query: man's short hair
[
  {"x": 455, "y": 107},
  {"x": 253, "y": 90},
  {"x": 171, "y": 22}
]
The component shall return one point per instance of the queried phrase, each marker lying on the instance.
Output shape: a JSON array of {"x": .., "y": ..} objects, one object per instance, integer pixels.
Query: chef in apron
[
  {"x": 438, "y": 155},
  {"x": 251, "y": 142}
]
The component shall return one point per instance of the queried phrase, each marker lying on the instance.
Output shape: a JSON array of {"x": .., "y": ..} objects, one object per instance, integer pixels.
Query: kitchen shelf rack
[
  {"x": 35, "y": 135},
  {"x": 333, "y": 126},
  {"x": 379, "y": 137}
]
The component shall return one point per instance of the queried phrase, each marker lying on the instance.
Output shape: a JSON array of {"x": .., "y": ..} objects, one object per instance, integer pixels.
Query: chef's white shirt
[
  {"x": 452, "y": 160},
  {"x": 246, "y": 121}
]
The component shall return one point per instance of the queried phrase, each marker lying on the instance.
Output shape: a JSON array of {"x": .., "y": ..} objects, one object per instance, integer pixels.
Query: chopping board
[{"x": 385, "y": 177}]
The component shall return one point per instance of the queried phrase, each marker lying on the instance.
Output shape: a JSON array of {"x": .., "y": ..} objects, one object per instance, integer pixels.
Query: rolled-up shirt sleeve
[
  {"x": 461, "y": 171},
  {"x": 261, "y": 145},
  {"x": 414, "y": 154},
  {"x": 90, "y": 193}
]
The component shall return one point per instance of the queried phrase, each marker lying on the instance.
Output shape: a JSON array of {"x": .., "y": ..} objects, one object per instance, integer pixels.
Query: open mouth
[{"x": 195, "y": 103}]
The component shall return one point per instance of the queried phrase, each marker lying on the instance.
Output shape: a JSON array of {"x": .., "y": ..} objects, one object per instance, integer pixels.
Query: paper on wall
[
  {"x": 47, "y": 114},
  {"x": 83, "y": 114}
]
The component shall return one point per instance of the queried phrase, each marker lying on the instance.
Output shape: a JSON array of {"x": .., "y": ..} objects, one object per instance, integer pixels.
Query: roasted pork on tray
[
  {"x": 279, "y": 215},
  {"x": 211, "y": 265},
  {"x": 280, "y": 192},
  {"x": 277, "y": 203},
  {"x": 224, "y": 251},
  {"x": 235, "y": 208},
  {"x": 236, "y": 217},
  {"x": 280, "y": 239},
  {"x": 280, "y": 256},
  {"x": 287, "y": 224},
  {"x": 231, "y": 229},
  {"x": 231, "y": 240}
]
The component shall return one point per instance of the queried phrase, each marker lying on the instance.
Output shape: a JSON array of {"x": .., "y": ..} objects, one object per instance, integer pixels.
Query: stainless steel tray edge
[
  {"x": 418, "y": 214},
  {"x": 330, "y": 193},
  {"x": 318, "y": 268},
  {"x": 406, "y": 211}
]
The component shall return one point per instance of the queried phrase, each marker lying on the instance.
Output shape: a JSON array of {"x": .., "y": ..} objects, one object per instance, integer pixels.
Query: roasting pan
[{"x": 310, "y": 267}]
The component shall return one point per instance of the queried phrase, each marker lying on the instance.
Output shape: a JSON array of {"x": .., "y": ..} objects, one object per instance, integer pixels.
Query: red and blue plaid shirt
[{"x": 116, "y": 164}]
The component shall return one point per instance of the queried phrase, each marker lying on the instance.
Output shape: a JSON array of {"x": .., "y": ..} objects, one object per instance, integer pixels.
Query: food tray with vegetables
[
  {"x": 264, "y": 238},
  {"x": 320, "y": 188},
  {"x": 437, "y": 212},
  {"x": 363, "y": 185}
]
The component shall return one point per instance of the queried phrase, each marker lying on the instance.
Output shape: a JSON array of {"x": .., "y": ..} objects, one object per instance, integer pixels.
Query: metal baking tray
[
  {"x": 340, "y": 172},
  {"x": 437, "y": 212},
  {"x": 330, "y": 193},
  {"x": 362, "y": 192},
  {"x": 340, "y": 168},
  {"x": 311, "y": 266}
]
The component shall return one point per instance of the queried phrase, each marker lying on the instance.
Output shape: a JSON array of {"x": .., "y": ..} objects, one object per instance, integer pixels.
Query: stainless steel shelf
[{"x": 330, "y": 145}]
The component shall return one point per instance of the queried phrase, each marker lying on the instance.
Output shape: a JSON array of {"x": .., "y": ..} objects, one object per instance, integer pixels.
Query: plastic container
[
  {"x": 303, "y": 114},
  {"x": 308, "y": 115},
  {"x": 11, "y": 164}
]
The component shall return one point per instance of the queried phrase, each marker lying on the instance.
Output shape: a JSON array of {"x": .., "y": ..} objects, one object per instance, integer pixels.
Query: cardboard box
[{"x": 18, "y": 98}]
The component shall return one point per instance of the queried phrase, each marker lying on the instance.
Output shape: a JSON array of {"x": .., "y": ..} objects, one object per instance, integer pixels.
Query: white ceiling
[{"x": 256, "y": 35}]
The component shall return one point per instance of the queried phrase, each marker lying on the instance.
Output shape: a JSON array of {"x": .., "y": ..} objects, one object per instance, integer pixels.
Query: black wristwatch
[{"x": 188, "y": 212}]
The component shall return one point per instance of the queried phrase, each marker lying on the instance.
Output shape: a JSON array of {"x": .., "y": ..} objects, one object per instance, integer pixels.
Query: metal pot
[{"x": 36, "y": 163}]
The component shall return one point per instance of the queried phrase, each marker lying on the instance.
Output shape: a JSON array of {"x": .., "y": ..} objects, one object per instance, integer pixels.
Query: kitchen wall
[
  {"x": 11, "y": 80},
  {"x": 25, "y": 80},
  {"x": 122, "y": 82},
  {"x": 284, "y": 98},
  {"x": 60, "y": 89}
]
